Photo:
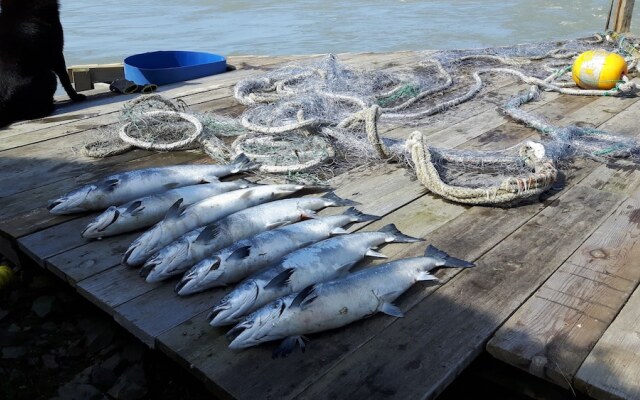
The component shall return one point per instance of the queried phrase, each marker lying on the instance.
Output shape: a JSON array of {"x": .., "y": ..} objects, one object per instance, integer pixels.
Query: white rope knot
[{"x": 628, "y": 88}]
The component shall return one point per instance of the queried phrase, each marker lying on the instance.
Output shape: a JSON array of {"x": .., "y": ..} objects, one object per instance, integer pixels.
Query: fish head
[
  {"x": 143, "y": 247},
  {"x": 258, "y": 327},
  {"x": 201, "y": 276},
  {"x": 96, "y": 228},
  {"x": 71, "y": 202},
  {"x": 165, "y": 263},
  {"x": 235, "y": 304}
]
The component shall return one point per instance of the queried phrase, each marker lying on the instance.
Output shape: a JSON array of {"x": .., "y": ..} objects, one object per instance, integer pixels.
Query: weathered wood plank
[
  {"x": 104, "y": 110},
  {"x": 15, "y": 179},
  {"x": 47, "y": 243},
  {"x": 26, "y": 212},
  {"x": 103, "y": 105},
  {"x": 115, "y": 286},
  {"x": 9, "y": 250},
  {"x": 443, "y": 333},
  {"x": 91, "y": 259},
  {"x": 149, "y": 315},
  {"x": 175, "y": 342},
  {"x": 554, "y": 331},
  {"x": 20, "y": 222},
  {"x": 476, "y": 230},
  {"x": 612, "y": 369},
  {"x": 559, "y": 331},
  {"x": 106, "y": 288}
]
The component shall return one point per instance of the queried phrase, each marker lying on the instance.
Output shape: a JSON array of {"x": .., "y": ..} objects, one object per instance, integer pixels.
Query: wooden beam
[
  {"x": 624, "y": 12},
  {"x": 84, "y": 76}
]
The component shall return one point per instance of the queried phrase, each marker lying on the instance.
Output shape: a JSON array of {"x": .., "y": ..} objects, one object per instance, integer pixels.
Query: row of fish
[{"x": 292, "y": 264}]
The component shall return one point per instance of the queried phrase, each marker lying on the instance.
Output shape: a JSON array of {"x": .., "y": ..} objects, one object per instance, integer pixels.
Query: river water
[{"x": 99, "y": 31}]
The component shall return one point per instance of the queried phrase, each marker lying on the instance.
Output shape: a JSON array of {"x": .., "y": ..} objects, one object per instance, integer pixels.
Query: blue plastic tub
[{"x": 164, "y": 67}]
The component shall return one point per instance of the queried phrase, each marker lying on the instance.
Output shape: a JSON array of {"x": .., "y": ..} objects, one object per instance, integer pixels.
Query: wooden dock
[{"x": 554, "y": 292}]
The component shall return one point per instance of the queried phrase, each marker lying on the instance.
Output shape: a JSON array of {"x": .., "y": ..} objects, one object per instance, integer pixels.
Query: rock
[
  {"x": 76, "y": 349},
  {"x": 49, "y": 326},
  {"x": 3, "y": 313},
  {"x": 11, "y": 338},
  {"x": 67, "y": 327},
  {"x": 42, "y": 305},
  {"x": 133, "y": 352},
  {"x": 13, "y": 328},
  {"x": 41, "y": 282},
  {"x": 49, "y": 361},
  {"x": 104, "y": 375},
  {"x": 131, "y": 385},
  {"x": 60, "y": 352},
  {"x": 98, "y": 335},
  {"x": 13, "y": 352},
  {"x": 65, "y": 297},
  {"x": 80, "y": 391},
  {"x": 84, "y": 376},
  {"x": 109, "y": 350}
]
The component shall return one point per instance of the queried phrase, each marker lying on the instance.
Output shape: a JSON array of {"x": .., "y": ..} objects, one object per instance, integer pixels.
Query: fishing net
[
  {"x": 310, "y": 121},
  {"x": 154, "y": 122}
]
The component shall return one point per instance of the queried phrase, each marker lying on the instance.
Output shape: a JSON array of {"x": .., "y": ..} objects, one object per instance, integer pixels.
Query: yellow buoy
[
  {"x": 6, "y": 276},
  {"x": 598, "y": 69}
]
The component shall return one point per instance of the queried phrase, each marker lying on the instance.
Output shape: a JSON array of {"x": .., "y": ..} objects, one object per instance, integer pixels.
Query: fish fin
[
  {"x": 209, "y": 179},
  {"x": 175, "y": 210},
  {"x": 445, "y": 259},
  {"x": 339, "y": 231},
  {"x": 134, "y": 208},
  {"x": 358, "y": 216},
  {"x": 306, "y": 214},
  {"x": 305, "y": 297},
  {"x": 242, "y": 163},
  {"x": 394, "y": 235},
  {"x": 109, "y": 184},
  {"x": 391, "y": 309},
  {"x": 171, "y": 185},
  {"x": 288, "y": 345},
  {"x": 281, "y": 280},
  {"x": 240, "y": 253},
  {"x": 373, "y": 253},
  {"x": 208, "y": 234},
  {"x": 426, "y": 276},
  {"x": 336, "y": 200}
]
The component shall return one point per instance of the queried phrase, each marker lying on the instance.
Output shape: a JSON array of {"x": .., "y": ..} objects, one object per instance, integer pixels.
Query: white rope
[{"x": 178, "y": 145}]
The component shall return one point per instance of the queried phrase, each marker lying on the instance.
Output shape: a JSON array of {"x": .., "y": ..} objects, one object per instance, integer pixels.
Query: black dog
[{"x": 31, "y": 43}]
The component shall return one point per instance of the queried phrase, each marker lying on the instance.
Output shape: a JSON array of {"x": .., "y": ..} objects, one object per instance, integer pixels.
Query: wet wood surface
[{"x": 552, "y": 292}]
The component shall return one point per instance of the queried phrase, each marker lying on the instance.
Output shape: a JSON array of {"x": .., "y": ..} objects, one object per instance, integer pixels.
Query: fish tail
[
  {"x": 358, "y": 216},
  {"x": 398, "y": 237},
  {"x": 446, "y": 259},
  {"x": 336, "y": 200},
  {"x": 242, "y": 163}
]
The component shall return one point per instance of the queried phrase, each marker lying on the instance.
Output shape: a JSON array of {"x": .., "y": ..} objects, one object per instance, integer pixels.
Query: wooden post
[
  {"x": 82, "y": 79},
  {"x": 624, "y": 11}
]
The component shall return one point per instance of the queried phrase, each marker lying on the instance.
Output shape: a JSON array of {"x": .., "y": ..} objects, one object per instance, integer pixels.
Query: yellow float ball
[
  {"x": 6, "y": 276},
  {"x": 598, "y": 69}
]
